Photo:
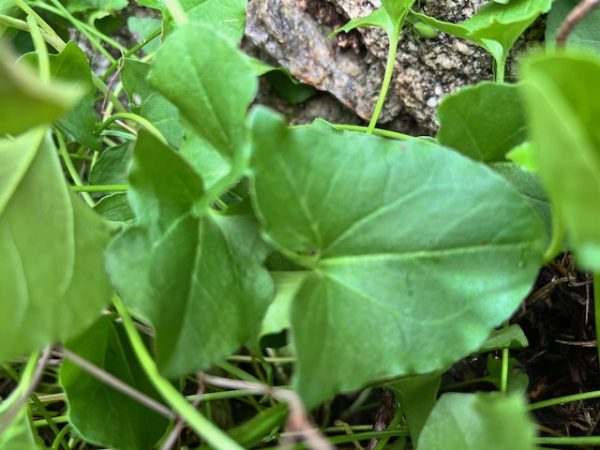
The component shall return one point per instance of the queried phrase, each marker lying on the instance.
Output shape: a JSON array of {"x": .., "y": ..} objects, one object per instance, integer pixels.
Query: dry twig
[{"x": 575, "y": 16}]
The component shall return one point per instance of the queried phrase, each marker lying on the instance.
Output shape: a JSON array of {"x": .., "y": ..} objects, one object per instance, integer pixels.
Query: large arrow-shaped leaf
[
  {"x": 416, "y": 252},
  {"x": 197, "y": 276}
]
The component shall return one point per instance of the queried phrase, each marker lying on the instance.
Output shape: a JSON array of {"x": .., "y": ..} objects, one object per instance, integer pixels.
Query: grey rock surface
[{"x": 350, "y": 67}]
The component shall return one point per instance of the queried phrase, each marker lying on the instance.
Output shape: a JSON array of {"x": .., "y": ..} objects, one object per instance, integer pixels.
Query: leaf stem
[
  {"x": 387, "y": 78},
  {"x": 40, "y": 48},
  {"x": 568, "y": 440},
  {"x": 177, "y": 12},
  {"x": 117, "y": 384},
  {"x": 558, "y": 232},
  {"x": 34, "y": 370},
  {"x": 576, "y": 15},
  {"x": 17, "y": 24},
  {"x": 101, "y": 188},
  {"x": 504, "y": 372},
  {"x": 62, "y": 148},
  {"x": 144, "y": 123},
  {"x": 564, "y": 399},
  {"x": 205, "y": 429}
]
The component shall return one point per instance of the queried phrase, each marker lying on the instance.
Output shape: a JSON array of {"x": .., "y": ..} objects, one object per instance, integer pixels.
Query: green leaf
[
  {"x": 100, "y": 5},
  {"x": 517, "y": 380},
  {"x": 483, "y": 121},
  {"x": 144, "y": 27},
  {"x": 277, "y": 318},
  {"x": 586, "y": 33},
  {"x": 389, "y": 229},
  {"x": 149, "y": 103},
  {"x": 530, "y": 187},
  {"x": 478, "y": 421},
  {"x": 115, "y": 208},
  {"x": 72, "y": 65},
  {"x": 227, "y": 17},
  {"x": 417, "y": 396},
  {"x": 203, "y": 157},
  {"x": 495, "y": 27},
  {"x": 51, "y": 250},
  {"x": 100, "y": 414},
  {"x": 112, "y": 166},
  {"x": 28, "y": 101},
  {"x": 524, "y": 156},
  {"x": 197, "y": 276},
  {"x": 389, "y": 17},
  {"x": 223, "y": 85},
  {"x": 260, "y": 426},
  {"x": 19, "y": 435},
  {"x": 506, "y": 337},
  {"x": 561, "y": 92}
]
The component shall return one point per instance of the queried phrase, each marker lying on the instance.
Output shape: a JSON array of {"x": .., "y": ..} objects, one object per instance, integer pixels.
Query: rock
[{"x": 294, "y": 33}]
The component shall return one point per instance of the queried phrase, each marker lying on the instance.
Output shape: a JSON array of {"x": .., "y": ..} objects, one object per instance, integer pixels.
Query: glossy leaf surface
[
  {"x": 197, "y": 276},
  {"x": 389, "y": 229}
]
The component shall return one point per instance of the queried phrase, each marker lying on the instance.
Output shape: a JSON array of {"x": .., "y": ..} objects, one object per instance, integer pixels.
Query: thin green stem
[
  {"x": 568, "y": 440},
  {"x": 63, "y": 12},
  {"x": 39, "y": 423},
  {"x": 101, "y": 188},
  {"x": 10, "y": 407},
  {"x": 144, "y": 123},
  {"x": 177, "y": 12},
  {"x": 60, "y": 438},
  {"x": 269, "y": 359},
  {"x": 46, "y": 415},
  {"x": 596, "y": 281},
  {"x": 41, "y": 22},
  {"x": 132, "y": 51},
  {"x": 387, "y": 79},
  {"x": 40, "y": 48},
  {"x": 375, "y": 131},
  {"x": 558, "y": 232},
  {"x": 62, "y": 148},
  {"x": 205, "y": 429},
  {"x": 565, "y": 399},
  {"x": 500, "y": 68},
  {"x": 344, "y": 439},
  {"x": 504, "y": 372}
]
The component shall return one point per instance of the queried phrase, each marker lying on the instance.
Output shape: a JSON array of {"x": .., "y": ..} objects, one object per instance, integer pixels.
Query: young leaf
[
  {"x": 506, "y": 337},
  {"x": 389, "y": 229},
  {"x": 28, "y": 101},
  {"x": 197, "y": 276},
  {"x": 211, "y": 83},
  {"x": 478, "y": 421},
  {"x": 561, "y": 91},
  {"x": 51, "y": 248},
  {"x": 585, "y": 35},
  {"x": 115, "y": 420},
  {"x": 495, "y": 27},
  {"x": 483, "y": 121}
]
